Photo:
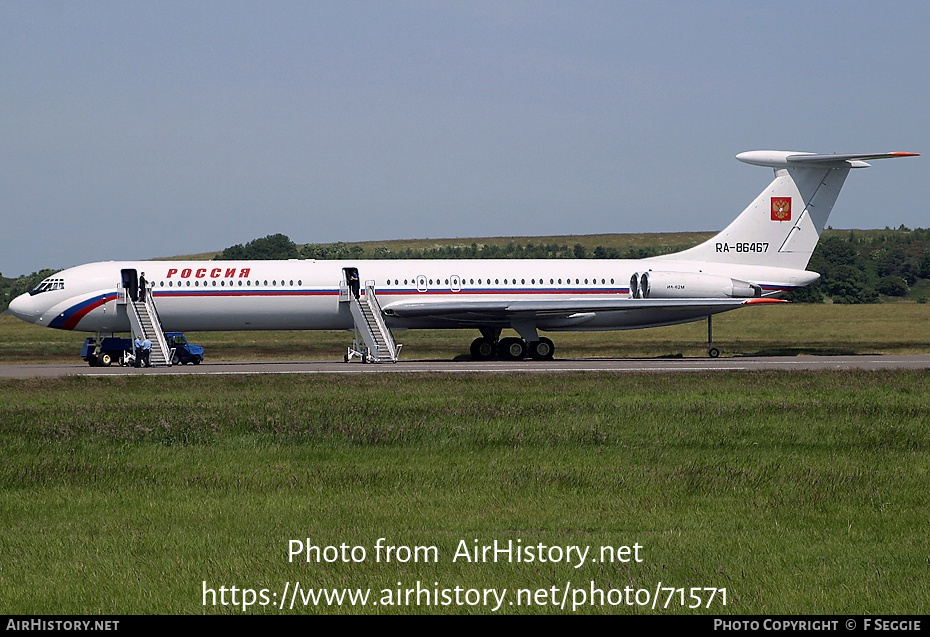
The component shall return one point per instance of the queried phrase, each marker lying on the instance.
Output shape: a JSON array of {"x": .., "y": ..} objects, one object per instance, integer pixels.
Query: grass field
[
  {"x": 797, "y": 492},
  {"x": 891, "y": 328}
]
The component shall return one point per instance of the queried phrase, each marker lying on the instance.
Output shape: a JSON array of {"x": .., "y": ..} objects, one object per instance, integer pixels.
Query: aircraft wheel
[
  {"x": 106, "y": 360},
  {"x": 542, "y": 350},
  {"x": 482, "y": 349},
  {"x": 512, "y": 349},
  {"x": 713, "y": 352}
]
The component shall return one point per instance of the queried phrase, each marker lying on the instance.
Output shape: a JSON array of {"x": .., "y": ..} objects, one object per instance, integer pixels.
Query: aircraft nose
[{"x": 23, "y": 308}]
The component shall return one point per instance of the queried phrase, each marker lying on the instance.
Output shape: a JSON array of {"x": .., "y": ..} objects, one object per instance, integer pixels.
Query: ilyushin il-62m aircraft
[{"x": 758, "y": 258}]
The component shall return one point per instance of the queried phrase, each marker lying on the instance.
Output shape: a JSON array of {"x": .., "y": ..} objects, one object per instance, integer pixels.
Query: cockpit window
[{"x": 47, "y": 286}]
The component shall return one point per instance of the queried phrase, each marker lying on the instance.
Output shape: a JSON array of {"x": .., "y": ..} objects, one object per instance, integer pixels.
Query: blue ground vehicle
[
  {"x": 120, "y": 351},
  {"x": 184, "y": 352}
]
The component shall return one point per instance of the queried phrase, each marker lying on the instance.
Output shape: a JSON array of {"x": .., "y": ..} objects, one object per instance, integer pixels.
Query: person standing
[
  {"x": 146, "y": 352},
  {"x": 354, "y": 283},
  {"x": 137, "y": 346},
  {"x": 142, "y": 288}
]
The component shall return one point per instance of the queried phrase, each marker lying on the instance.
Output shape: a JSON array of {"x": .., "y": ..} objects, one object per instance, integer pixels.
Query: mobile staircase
[
  {"x": 145, "y": 322},
  {"x": 373, "y": 341}
]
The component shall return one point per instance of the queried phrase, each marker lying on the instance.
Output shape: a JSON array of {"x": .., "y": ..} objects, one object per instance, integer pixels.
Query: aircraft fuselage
[{"x": 305, "y": 294}]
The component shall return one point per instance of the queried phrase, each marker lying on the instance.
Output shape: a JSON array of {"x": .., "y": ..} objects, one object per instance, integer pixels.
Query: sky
[{"x": 138, "y": 130}]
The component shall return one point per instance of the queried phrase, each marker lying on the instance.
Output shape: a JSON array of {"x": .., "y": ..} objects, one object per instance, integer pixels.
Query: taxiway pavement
[{"x": 667, "y": 365}]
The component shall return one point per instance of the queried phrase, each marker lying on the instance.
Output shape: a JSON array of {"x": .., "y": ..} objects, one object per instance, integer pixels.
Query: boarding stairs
[
  {"x": 145, "y": 322},
  {"x": 373, "y": 342}
]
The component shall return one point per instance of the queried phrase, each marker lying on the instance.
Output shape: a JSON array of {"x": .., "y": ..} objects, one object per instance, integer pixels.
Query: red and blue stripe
[{"x": 69, "y": 319}]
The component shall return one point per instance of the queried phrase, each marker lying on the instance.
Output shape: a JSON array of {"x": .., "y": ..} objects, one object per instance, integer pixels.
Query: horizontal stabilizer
[{"x": 787, "y": 159}]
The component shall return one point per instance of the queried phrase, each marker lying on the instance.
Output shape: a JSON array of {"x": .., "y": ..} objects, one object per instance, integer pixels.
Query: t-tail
[{"x": 782, "y": 226}]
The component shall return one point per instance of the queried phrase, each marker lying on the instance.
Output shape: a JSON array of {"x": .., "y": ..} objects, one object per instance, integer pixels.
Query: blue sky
[{"x": 147, "y": 129}]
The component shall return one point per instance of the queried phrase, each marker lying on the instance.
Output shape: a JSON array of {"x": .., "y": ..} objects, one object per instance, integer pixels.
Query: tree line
[
  {"x": 11, "y": 288},
  {"x": 861, "y": 267}
]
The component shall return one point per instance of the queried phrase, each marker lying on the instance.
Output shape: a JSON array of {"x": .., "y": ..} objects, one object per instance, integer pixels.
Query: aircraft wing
[{"x": 506, "y": 310}]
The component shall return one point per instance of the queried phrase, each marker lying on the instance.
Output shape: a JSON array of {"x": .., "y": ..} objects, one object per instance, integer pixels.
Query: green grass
[
  {"x": 889, "y": 328},
  {"x": 798, "y": 493}
]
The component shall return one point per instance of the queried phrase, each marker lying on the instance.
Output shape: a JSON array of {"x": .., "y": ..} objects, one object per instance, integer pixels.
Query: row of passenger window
[
  {"x": 240, "y": 283},
  {"x": 396, "y": 282}
]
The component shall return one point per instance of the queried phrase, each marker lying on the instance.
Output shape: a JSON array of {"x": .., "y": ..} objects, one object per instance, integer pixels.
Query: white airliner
[{"x": 758, "y": 258}]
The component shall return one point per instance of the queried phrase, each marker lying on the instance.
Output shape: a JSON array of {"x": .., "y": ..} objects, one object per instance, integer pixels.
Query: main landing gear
[
  {"x": 511, "y": 349},
  {"x": 490, "y": 345}
]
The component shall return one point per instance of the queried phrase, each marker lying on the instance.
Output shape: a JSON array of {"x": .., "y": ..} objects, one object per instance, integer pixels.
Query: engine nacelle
[{"x": 690, "y": 285}]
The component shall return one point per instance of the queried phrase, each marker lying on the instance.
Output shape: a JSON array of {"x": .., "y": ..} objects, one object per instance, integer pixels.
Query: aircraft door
[
  {"x": 352, "y": 280},
  {"x": 421, "y": 283},
  {"x": 130, "y": 281},
  {"x": 455, "y": 283}
]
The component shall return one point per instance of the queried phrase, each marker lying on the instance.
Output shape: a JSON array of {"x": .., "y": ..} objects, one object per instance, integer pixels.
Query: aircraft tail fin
[{"x": 781, "y": 227}]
